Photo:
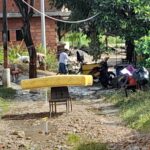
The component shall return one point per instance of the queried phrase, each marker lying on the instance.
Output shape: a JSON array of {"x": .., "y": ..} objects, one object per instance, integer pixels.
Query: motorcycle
[{"x": 102, "y": 75}]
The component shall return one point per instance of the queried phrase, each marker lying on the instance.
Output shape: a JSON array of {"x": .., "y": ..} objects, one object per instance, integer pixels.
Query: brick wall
[
  {"x": 51, "y": 35},
  {"x": 16, "y": 24},
  {"x": 11, "y": 6}
]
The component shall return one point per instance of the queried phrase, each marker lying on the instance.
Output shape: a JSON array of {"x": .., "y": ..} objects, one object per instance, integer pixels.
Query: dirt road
[{"x": 27, "y": 126}]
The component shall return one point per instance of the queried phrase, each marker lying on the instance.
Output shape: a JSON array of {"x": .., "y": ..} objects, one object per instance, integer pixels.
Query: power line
[{"x": 60, "y": 20}]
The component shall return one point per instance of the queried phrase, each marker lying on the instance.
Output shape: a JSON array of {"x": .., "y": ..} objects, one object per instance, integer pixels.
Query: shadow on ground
[{"x": 29, "y": 116}]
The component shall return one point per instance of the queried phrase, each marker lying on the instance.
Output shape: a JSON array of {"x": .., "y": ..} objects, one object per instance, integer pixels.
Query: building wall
[
  {"x": 16, "y": 24},
  {"x": 11, "y": 6}
]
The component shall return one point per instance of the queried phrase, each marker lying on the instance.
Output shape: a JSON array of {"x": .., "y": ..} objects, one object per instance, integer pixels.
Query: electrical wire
[{"x": 60, "y": 20}]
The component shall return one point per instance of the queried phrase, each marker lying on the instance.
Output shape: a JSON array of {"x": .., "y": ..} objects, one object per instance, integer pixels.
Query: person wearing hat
[
  {"x": 63, "y": 59},
  {"x": 60, "y": 48}
]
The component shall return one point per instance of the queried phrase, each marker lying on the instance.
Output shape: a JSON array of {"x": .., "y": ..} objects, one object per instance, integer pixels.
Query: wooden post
[
  {"x": 5, "y": 34},
  {"x": 6, "y": 72}
]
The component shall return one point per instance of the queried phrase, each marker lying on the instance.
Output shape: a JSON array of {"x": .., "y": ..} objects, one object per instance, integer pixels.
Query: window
[{"x": 19, "y": 35}]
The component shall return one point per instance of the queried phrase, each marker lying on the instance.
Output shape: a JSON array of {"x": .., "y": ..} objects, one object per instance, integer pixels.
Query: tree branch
[{"x": 31, "y": 12}]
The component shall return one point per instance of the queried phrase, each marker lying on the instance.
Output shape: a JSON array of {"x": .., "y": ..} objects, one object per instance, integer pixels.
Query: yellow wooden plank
[
  {"x": 57, "y": 81},
  {"x": 86, "y": 72},
  {"x": 86, "y": 68},
  {"x": 89, "y": 66}
]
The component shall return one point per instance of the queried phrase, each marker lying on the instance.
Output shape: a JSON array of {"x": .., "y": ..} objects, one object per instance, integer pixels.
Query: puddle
[{"x": 83, "y": 92}]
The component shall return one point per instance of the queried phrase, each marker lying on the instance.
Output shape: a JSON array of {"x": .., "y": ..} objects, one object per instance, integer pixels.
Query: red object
[{"x": 132, "y": 81}]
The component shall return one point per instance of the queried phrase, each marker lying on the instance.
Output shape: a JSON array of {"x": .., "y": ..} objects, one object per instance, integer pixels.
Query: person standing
[{"x": 63, "y": 61}]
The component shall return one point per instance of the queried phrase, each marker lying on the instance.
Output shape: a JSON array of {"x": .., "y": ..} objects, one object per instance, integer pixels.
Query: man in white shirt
[{"x": 63, "y": 62}]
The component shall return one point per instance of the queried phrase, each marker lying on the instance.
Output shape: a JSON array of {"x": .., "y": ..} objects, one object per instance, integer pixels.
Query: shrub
[
  {"x": 7, "y": 93},
  {"x": 51, "y": 61},
  {"x": 143, "y": 49}
]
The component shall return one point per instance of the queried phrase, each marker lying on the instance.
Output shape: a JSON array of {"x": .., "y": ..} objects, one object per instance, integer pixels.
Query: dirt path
[
  {"x": 91, "y": 119},
  {"x": 24, "y": 126}
]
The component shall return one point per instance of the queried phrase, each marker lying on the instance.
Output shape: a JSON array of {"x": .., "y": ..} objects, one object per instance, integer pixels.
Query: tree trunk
[
  {"x": 26, "y": 15},
  {"x": 130, "y": 50},
  {"x": 106, "y": 42},
  {"x": 31, "y": 50}
]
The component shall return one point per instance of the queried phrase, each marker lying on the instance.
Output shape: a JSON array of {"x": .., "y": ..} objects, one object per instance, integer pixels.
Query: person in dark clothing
[
  {"x": 104, "y": 72},
  {"x": 80, "y": 57}
]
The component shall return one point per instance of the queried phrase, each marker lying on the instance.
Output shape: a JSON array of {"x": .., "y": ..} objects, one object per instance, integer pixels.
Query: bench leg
[
  {"x": 50, "y": 109},
  {"x": 70, "y": 103},
  {"x": 67, "y": 107},
  {"x": 55, "y": 107}
]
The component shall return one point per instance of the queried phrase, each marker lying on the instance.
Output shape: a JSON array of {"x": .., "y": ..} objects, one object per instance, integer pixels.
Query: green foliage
[
  {"x": 51, "y": 61},
  {"x": 124, "y": 18},
  {"x": 76, "y": 39},
  {"x": 143, "y": 49},
  {"x": 1, "y": 55},
  {"x": 81, "y": 144},
  {"x": 134, "y": 109},
  {"x": 115, "y": 40},
  {"x": 96, "y": 49},
  {"x": 92, "y": 146},
  {"x": 143, "y": 45},
  {"x": 73, "y": 139},
  {"x": 147, "y": 62},
  {"x": 15, "y": 50},
  {"x": 39, "y": 48},
  {"x": 3, "y": 105},
  {"x": 7, "y": 93}
]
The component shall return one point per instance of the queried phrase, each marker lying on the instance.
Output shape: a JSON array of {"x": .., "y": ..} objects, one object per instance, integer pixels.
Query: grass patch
[
  {"x": 4, "y": 105},
  {"x": 134, "y": 109},
  {"x": 79, "y": 143},
  {"x": 7, "y": 93},
  {"x": 73, "y": 138},
  {"x": 91, "y": 146}
]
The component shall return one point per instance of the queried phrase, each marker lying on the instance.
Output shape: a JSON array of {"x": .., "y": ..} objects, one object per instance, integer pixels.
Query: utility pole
[
  {"x": 43, "y": 37},
  {"x": 43, "y": 30},
  {"x": 6, "y": 72}
]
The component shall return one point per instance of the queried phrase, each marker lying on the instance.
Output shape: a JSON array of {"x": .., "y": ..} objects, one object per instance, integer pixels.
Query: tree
[
  {"x": 27, "y": 13},
  {"x": 80, "y": 10},
  {"x": 134, "y": 23},
  {"x": 124, "y": 18}
]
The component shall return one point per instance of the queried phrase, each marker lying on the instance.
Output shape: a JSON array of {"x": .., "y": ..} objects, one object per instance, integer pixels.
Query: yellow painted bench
[{"x": 57, "y": 81}]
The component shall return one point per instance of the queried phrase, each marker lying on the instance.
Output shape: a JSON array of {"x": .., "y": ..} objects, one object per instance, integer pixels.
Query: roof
[{"x": 50, "y": 13}]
